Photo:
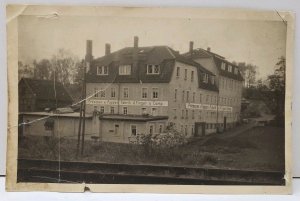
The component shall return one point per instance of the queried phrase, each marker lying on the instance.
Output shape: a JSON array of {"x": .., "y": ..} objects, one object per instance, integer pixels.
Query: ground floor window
[
  {"x": 151, "y": 129},
  {"x": 133, "y": 130},
  {"x": 116, "y": 129},
  {"x": 102, "y": 109},
  {"x": 112, "y": 110},
  {"x": 160, "y": 128},
  {"x": 125, "y": 110}
]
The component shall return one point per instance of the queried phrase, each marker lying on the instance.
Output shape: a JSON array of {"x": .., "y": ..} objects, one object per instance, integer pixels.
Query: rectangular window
[
  {"x": 112, "y": 92},
  {"x": 200, "y": 98},
  {"x": 102, "y": 70},
  {"x": 125, "y": 111},
  {"x": 112, "y": 110},
  {"x": 154, "y": 111},
  {"x": 212, "y": 80},
  {"x": 186, "y": 114},
  {"x": 102, "y": 109},
  {"x": 144, "y": 111},
  {"x": 205, "y": 78},
  {"x": 175, "y": 94},
  {"x": 187, "y": 95},
  {"x": 200, "y": 114},
  {"x": 229, "y": 68},
  {"x": 223, "y": 66},
  {"x": 160, "y": 128},
  {"x": 185, "y": 130},
  {"x": 178, "y": 72},
  {"x": 155, "y": 93},
  {"x": 144, "y": 92},
  {"x": 153, "y": 69},
  {"x": 194, "y": 94},
  {"x": 183, "y": 93},
  {"x": 102, "y": 93},
  {"x": 126, "y": 93},
  {"x": 125, "y": 70},
  {"x": 185, "y": 74},
  {"x": 182, "y": 114},
  {"x": 192, "y": 75},
  {"x": 151, "y": 128},
  {"x": 95, "y": 92},
  {"x": 133, "y": 130},
  {"x": 207, "y": 98},
  {"x": 236, "y": 71},
  {"x": 116, "y": 129},
  {"x": 193, "y": 114},
  {"x": 175, "y": 115}
]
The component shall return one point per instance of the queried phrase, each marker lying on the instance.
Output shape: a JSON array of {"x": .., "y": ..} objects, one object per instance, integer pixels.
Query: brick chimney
[
  {"x": 89, "y": 51},
  {"x": 135, "y": 52},
  {"x": 191, "y": 48},
  {"x": 107, "y": 49}
]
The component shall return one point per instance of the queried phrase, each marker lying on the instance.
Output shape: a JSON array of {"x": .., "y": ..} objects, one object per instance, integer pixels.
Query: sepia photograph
[{"x": 135, "y": 97}]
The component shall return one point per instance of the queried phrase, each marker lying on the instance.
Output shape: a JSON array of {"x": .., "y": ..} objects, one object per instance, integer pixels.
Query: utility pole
[{"x": 81, "y": 128}]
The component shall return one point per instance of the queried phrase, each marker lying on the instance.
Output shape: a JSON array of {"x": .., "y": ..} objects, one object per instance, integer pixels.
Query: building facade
[
  {"x": 142, "y": 90},
  {"x": 228, "y": 79}
]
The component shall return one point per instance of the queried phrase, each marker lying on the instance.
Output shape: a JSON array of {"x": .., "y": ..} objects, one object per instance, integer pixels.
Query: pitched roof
[
  {"x": 162, "y": 55},
  {"x": 44, "y": 90},
  {"x": 218, "y": 59}
]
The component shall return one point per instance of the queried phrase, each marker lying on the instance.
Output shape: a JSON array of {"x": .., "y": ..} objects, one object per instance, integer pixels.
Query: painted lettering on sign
[
  {"x": 220, "y": 108},
  {"x": 127, "y": 102}
]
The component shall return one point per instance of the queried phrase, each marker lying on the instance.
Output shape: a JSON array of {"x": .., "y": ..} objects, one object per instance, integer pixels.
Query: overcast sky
[{"x": 257, "y": 42}]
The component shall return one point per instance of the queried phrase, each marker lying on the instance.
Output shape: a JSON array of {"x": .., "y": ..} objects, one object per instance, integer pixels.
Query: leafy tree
[{"x": 249, "y": 73}]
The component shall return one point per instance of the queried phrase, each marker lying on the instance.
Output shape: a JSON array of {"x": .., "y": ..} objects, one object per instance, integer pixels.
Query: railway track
[{"x": 31, "y": 170}]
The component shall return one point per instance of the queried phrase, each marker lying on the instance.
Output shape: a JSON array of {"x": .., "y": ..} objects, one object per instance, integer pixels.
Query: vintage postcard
[{"x": 160, "y": 100}]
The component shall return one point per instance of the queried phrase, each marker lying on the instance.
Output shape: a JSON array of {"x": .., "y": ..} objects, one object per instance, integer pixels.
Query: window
[
  {"x": 175, "y": 95},
  {"x": 185, "y": 74},
  {"x": 182, "y": 114},
  {"x": 154, "y": 111},
  {"x": 200, "y": 98},
  {"x": 112, "y": 92},
  {"x": 186, "y": 114},
  {"x": 151, "y": 129},
  {"x": 200, "y": 114},
  {"x": 112, "y": 110},
  {"x": 160, "y": 128},
  {"x": 235, "y": 70},
  {"x": 153, "y": 69},
  {"x": 102, "y": 109},
  {"x": 213, "y": 80},
  {"x": 207, "y": 98},
  {"x": 116, "y": 129},
  {"x": 185, "y": 130},
  {"x": 178, "y": 72},
  {"x": 125, "y": 70},
  {"x": 126, "y": 93},
  {"x": 154, "y": 92},
  {"x": 205, "y": 77},
  {"x": 192, "y": 75},
  {"x": 193, "y": 114},
  {"x": 95, "y": 92},
  {"x": 187, "y": 95},
  {"x": 174, "y": 111},
  {"x": 183, "y": 95},
  {"x": 144, "y": 92},
  {"x": 194, "y": 94},
  {"x": 95, "y": 108},
  {"x": 125, "y": 110},
  {"x": 133, "y": 130},
  {"x": 229, "y": 68},
  {"x": 102, "y": 70},
  {"x": 193, "y": 130},
  {"x": 144, "y": 111},
  {"x": 102, "y": 93},
  {"x": 223, "y": 66}
]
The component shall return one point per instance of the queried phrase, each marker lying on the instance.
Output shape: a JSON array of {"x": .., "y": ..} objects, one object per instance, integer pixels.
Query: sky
[{"x": 257, "y": 42}]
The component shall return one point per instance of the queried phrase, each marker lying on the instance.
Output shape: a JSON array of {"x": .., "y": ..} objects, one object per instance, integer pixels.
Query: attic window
[
  {"x": 124, "y": 69},
  {"x": 236, "y": 71},
  {"x": 153, "y": 69},
  {"x": 102, "y": 70},
  {"x": 223, "y": 66},
  {"x": 205, "y": 78}
]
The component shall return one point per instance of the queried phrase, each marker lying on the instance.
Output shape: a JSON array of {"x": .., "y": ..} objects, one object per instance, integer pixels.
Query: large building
[
  {"x": 141, "y": 90},
  {"x": 228, "y": 79}
]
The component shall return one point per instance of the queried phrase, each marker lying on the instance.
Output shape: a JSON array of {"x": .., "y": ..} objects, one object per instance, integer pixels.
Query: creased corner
[{"x": 13, "y": 11}]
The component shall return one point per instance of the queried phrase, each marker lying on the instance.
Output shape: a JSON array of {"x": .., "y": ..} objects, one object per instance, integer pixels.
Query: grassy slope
[{"x": 260, "y": 148}]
